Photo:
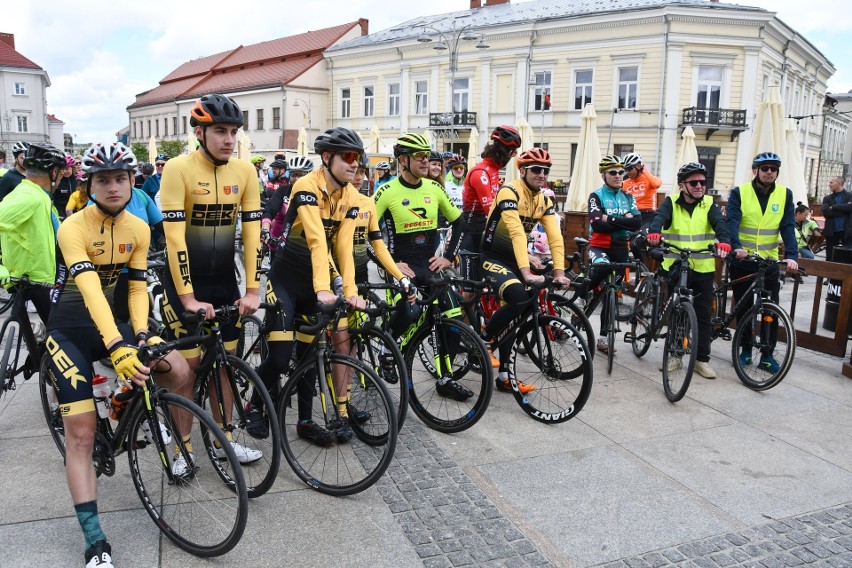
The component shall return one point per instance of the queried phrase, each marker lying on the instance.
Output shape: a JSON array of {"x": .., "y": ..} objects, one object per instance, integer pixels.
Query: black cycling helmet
[
  {"x": 435, "y": 156},
  {"x": 339, "y": 139},
  {"x": 364, "y": 164},
  {"x": 215, "y": 109},
  {"x": 44, "y": 156},
  {"x": 162, "y": 158},
  {"x": 766, "y": 158},
  {"x": 279, "y": 163},
  {"x": 507, "y": 136},
  {"x": 147, "y": 168},
  {"x": 690, "y": 168}
]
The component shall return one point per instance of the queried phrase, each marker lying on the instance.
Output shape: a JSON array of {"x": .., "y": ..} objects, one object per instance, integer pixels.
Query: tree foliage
[
  {"x": 140, "y": 151},
  {"x": 172, "y": 148}
]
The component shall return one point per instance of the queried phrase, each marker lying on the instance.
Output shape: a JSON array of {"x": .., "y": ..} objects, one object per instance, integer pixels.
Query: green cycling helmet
[{"x": 411, "y": 143}]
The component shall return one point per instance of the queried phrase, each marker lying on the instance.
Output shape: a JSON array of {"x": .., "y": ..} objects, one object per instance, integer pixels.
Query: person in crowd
[
  {"x": 151, "y": 187},
  {"x": 65, "y": 187},
  {"x": 145, "y": 169},
  {"x": 18, "y": 172},
  {"x": 805, "y": 229},
  {"x": 454, "y": 180},
  {"x": 383, "y": 174},
  {"x": 80, "y": 196},
  {"x": 837, "y": 210},
  {"x": 642, "y": 185}
]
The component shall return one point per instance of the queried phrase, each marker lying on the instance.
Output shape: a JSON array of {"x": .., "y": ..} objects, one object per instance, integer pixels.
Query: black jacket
[{"x": 831, "y": 211}]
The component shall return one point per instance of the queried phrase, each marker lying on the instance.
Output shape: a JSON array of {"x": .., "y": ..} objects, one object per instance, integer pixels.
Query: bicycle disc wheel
[
  {"x": 464, "y": 354},
  {"x": 565, "y": 308},
  {"x": 768, "y": 333},
  {"x": 195, "y": 511},
  {"x": 680, "y": 350},
  {"x": 344, "y": 467},
  {"x": 643, "y": 319},
  {"x": 612, "y": 303},
  {"x": 557, "y": 364},
  {"x": 50, "y": 404},
  {"x": 253, "y": 424},
  {"x": 379, "y": 352}
]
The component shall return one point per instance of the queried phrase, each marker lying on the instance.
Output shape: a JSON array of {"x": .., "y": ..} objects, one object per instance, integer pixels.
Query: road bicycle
[
  {"x": 548, "y": 353},
  {"x": 194, "y": 510},
  {"x": 17, "y": 331},
  {"x": 764, "y": 327},
  {"x": 673, "y": 318}
]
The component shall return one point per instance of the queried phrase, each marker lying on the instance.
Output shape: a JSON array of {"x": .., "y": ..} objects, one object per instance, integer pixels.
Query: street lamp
[
  {"x": 306, "y": 104},
  {"x": 451, "y": 42}
]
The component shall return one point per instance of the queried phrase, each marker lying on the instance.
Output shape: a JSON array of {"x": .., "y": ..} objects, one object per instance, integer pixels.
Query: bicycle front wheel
[
  {"x": 642, "y": 321},
  {"x": 50, "y": 404},
  {"x": 251, "y": 424},
  {"x": 10, "y": 340},
  {"x": 195, "y": 510},
  {"x": 612, "y": 310},
  {"x": 558, "y": 366},
  {"x": 7, "y": 298},
  {"x": 249, "y": 348},
  {"x": 565, "y": 308},
  {"x": 767, "y": 332},
  {"x": 456, "y": 353},
  {"x": 680, "y": 350},
  {"x": 378, "y": 350},
  {"x": 347, "y": 464}
]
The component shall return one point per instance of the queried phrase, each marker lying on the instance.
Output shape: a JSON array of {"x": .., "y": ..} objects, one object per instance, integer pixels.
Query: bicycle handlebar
[
  {"x": 148, "y": 353},
  {"x": 222, "y": 313}
]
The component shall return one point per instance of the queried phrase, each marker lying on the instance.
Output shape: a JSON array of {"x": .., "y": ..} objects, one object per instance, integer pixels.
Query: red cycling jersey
[{"x": 480, "y": 187}]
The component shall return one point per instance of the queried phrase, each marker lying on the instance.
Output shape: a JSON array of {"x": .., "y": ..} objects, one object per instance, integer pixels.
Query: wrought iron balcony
[
  {"x": 716, "y": 119},
  {"x": 464, "y": 119}
]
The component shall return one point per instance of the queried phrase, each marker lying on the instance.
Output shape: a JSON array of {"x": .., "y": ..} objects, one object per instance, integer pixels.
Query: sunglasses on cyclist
[
  {"x": 539, "y": 170},
  {"x": 765, "y": 169},
  {"x": 616, "y": 172},
  {"x": 696, "y": 183},
  {"x": 350, "y": 157},
  {"x": 420, "y": 156}
]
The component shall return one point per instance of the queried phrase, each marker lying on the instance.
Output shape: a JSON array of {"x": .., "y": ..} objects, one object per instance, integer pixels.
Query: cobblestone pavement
[
  {"x": 822, "y": 539},
  {"x": 445, "y": 516}
]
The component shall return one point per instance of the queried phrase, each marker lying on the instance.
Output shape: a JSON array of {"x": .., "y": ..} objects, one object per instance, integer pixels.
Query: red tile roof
[
  {"x": 52, "y": 118},
  {"x": 9, "y": 57},
  {"x": 269, "y": 63}
]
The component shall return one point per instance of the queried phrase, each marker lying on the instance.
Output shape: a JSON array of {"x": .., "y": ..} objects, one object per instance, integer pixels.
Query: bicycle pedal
[
  {"x": 726, "y": 335},
  {"x": 628, "y": 337}
]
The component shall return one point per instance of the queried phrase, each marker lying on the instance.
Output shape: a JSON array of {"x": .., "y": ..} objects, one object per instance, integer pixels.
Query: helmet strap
[
  {"x": 328, "y": 170},
  {"x": 102, "y": 209},
  {"x": 203, "y": 144}
]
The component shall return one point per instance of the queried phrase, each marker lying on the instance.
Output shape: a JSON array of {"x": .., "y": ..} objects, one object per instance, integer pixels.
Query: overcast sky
[{"x": 100, "y": 55}]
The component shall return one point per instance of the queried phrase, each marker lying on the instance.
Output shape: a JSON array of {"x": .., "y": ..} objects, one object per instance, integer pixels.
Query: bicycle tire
[
  {"x": 471, "y": 366},
  {"x": 680, "y": 351},
  {"x": 7, "y": 298},
  {"x": 249, "y": 349},
  {"x": 8, "y": 338},
  {"x": 754, "y": 376},
  {"x": 612, "y": 298},
  {"x": 349, "y": 467},
  {"x": 642, "y": 322},
  {"x": 368, "y": 343},
  {"x": 566, "y": 309},
  {"x": 250, "y": 390},
  {"x": 50, "y": 404},
  {"x": 195, "y": 512},
  {"x": 557, "y": 364}
]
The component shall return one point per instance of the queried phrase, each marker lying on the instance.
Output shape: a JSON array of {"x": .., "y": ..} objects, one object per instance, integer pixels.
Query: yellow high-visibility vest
[
  {"x": 759, "y": 229},
  {"x": 693, "y": 232}
]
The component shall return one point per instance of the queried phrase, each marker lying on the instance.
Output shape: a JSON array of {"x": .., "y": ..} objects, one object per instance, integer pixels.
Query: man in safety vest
[
  {"x": 692, "y": 220},
  {"x": 758, "y": 212}
]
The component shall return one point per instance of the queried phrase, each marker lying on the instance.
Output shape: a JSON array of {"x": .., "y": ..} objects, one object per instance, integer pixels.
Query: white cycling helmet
[
  {"x": 383, "y": 165},
  {"x": 300, "y": 164},
  {"x": 632, "y": 159},
  {"x": 19, "y": 147}
]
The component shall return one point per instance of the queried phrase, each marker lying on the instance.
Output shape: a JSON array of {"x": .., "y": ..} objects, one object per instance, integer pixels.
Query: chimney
[
  {"x": 365, "y": 26},
  {"x": 495, "y": 2},
  {"x": 474, "y": 4},
  {"x": 8, "y": 39}
]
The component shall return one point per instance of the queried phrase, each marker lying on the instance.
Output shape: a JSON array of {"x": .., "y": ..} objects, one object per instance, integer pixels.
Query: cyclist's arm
[
  {"x": 720, "y": 226},
  {"x": 662, "y": 218},
  {"x": 734, "y": 214},
  {"x": 72, "y": 243},
  {"x": 153, "y": 213},
  {"x": 378, "y": 246},
  {"x": 480, "y": 183},
  {"x": 173, "y": 202},
  {"x": 137, "y": 283},
  {"x": 654, "y": 183},
  {"x": 554, "y": 235},
  {"x": 787, "y": 228},
  {"x": 506, "y": 206},
  {"x": 273, "y": 205},
  {"x": 250, "y": 215},
  {"x": 308, "y": 213},
  {"x": 596, "y": 213},
  {"x": 15, "y": 210},
  {"x": 344, "y": 251}
]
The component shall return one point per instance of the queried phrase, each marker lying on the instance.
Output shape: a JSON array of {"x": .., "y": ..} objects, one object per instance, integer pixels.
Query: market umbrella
[
  {"x": 190, "y": 142},
  {"x": 585, "y": 175},
  {"x": 769, "y": 128},
  {"x": 302, "y": 142},
  {"x": 525, "y": 130},
  {"x": 152, "y": 150},
  {"x": 792, "y": 173},
  {"x": 375, "y": 141},
  {"x": 472, "y": 147},
  {"x": 687, "y": 153},
  {"x": 244, "y": 147}
]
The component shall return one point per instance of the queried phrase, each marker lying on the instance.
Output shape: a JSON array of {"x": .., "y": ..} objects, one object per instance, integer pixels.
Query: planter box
[{"x": 574, "y": 224}]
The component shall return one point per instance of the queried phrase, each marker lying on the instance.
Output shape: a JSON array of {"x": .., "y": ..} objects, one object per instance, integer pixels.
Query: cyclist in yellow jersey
[
  {"x": 302, "y": 271},
  {"x": 202, "y": 194},
  {"x": 516, "y": 210},
  {"x": 95, "y": 245}
]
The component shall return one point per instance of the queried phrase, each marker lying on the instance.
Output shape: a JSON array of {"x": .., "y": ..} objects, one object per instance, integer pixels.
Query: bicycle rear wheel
[
  {"x": 457, "y": 348},
  {"x": 7, "y": 298},
  {"x": 10, "y": 343},
  {"x": 50, "y": 404},
  {"x": 378, "y": 350},
  {"x": 680, "y": 350},
  {"x": 249, "y": 348},
  {"x": 612, "y": 309},
  {"x": 768, "y": 331},
  {"x": 253, "y": 424},
  {"x": 557, "y": 364},
  {"x": 348, "y": 466},
  {"x": 195, "y": 511},
  {"x": 566, "y": 309},
  {"x": 643, "y": 319}
]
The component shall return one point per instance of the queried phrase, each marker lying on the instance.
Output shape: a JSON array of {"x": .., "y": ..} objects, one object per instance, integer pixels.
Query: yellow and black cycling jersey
[
  {"x": 367, "y": 234},
  {"x": 312, "y": 231},
  {"x": 515, "y": 212},
  {"x": 200, "y": 203},
  {"x": 93, "y": 250}
]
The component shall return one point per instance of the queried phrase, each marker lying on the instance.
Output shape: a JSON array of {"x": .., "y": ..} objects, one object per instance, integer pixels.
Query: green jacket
[{"x": 27, "y": 233}]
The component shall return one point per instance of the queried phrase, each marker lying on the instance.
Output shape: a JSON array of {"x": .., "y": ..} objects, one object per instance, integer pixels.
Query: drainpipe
[
  {"x": 784, "y": 67},
  {"x": 662, "y": 113},
  {"x": 330, "y": 64},
  {"x": 808, "y": 123},
  {"x": 533, "y": 39}
]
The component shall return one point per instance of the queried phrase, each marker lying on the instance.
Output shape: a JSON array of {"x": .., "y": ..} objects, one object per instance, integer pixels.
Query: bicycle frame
[
  {"x": 35, "y": 348},
  {"x": 721, "y": 319}
]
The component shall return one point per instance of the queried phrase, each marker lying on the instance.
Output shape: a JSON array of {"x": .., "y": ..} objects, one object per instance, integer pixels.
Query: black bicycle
[
  {"x": 194, "y": 510},
  {"x": 17, "y": 331}
]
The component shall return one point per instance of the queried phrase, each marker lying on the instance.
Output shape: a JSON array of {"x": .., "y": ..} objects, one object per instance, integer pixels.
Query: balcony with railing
[
  {"x": 713, "y": 119},
  {"x": 463, "y": 119}
]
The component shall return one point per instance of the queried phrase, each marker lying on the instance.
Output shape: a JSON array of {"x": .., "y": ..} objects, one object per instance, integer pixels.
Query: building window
[
  {"x": 165, "y": 126},
  {"x": 707, "y": 156},
  {"x": 183, "y": 119},
  {"x": 369, "y": 100},
  {"x": 20, "y": 89},
  {"x": 461, "y": 95},
  {"x": 345, "y": 103},
  {"x": 628, "y": 86},
  {"x": 276, "y": 118},
  {"x": 260, "y": 119},
  {"x": 541, "y": 95},
  {"x": 22, "y": 124},
  {"x": 583, "y": 88},
  {"x": 421, "y": 97},
  {"x": 245, "y": 120},
  {"x": 134, "y": 130},
  {"x": 174, "y": 125},
  {"x": 393, "y": 99},
  {"x": 709, "y": 86},
  {"x": 157, "y": 127},
  {"x": 149, "y": 128},
  {"x": 622, "y": 149}
]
